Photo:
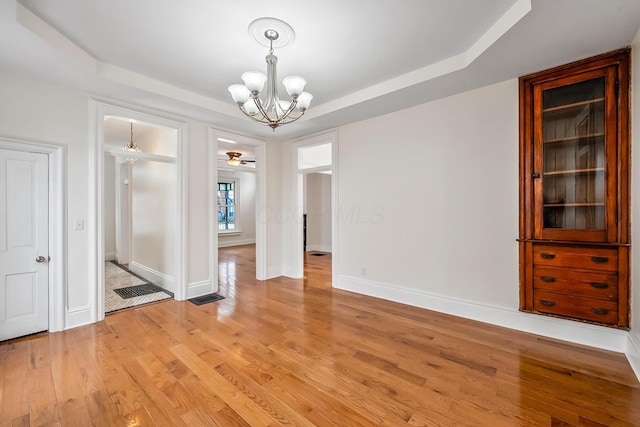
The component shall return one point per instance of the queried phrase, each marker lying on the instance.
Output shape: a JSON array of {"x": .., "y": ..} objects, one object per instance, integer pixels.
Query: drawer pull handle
[
  {"x": 548, "y": 279},
  {"x": 600, "y": 310},
  {"x": 599, "y": 259},
  {"x": 547, "y": 256},
  {"x": 548, "y": 303},
  {"x": 599, "y": 285}
]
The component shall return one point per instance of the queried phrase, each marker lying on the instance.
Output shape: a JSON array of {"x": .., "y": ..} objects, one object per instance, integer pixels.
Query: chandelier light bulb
[
  {"x": 251, "y": 108},
  {"x": 294, "y": 85},
  {"x": 254, "y": 81},
  {"x": 304, "y": 100},
  {"x": 239, "y": 93}
]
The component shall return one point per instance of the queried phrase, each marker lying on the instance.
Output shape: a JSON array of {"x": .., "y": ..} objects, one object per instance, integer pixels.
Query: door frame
[
  {"x": 57, "y": 159},
  {"x": 296, "y": 242},
  {"x": 260, "y": 202},
  {"x": 98, "y": 111}
]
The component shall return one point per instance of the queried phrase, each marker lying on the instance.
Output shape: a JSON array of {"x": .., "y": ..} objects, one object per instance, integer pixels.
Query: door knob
[{"x": 41, "y": 259}]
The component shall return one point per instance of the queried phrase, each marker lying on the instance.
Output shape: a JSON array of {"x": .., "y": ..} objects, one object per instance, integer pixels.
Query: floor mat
[
  {"x": 137, "y": 290},
  {"x": 204, "y": 299},
  {"x": 119, "y": 277}
]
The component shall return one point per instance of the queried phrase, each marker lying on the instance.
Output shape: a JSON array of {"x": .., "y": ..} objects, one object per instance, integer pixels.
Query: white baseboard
[
  {"x": 566, "y": 330},
  {"x": 110, "y": 256},
  {"x": 227, "y": 243},
  {"x": 78, "y": 316},
  {"x": 289, "y": 271},
  {"x": 275, "y": 271},
  {"x": 196, "y": 289},
  {"x": 163, "y": 280},
  {"x": 633, "y": 353},
  {"x": 319, "y": 248}
]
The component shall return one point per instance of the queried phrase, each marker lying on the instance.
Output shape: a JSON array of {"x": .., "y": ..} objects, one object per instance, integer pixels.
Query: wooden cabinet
[{"x": 574, "y": 237}]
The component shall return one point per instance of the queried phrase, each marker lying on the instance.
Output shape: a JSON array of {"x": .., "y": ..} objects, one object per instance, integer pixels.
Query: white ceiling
[{"x": 361, "y": 58}]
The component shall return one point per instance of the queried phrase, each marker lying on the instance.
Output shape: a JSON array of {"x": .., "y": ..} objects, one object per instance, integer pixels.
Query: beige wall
[
  {"x": 442, "y": 217},
  {"x": 318, "y": 210}
]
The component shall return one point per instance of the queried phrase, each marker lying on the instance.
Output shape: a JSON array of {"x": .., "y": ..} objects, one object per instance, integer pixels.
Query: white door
[{"x": 24, "y": 243}]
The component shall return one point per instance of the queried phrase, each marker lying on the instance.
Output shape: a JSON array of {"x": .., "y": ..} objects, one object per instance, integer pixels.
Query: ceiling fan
[{"x": 234, "y": 159}]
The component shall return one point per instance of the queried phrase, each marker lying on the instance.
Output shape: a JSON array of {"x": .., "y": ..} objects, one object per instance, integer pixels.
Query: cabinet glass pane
[{"x": 574, "y": 156}]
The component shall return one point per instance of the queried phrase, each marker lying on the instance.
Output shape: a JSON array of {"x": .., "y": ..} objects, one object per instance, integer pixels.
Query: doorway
[
  {"x": 237, "y": 205},
  {"x": 139, "y": 213},
  {"x": 314, "y": 195},
  {"x": 154, "y": 157}
]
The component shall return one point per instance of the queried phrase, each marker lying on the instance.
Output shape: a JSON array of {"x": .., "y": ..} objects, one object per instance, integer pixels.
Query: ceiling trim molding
[
  {"x": 136, "y": 80},
  {"x": 449, "y": 65}
]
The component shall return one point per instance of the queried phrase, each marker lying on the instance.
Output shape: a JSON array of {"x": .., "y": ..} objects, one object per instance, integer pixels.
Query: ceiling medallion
[{"x": 271, "y": 111}]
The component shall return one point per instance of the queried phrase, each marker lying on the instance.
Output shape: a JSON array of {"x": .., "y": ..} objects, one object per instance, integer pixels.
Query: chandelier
[
  {"x": 271, "y": 111},
  {"x": 131, "y": 146}
]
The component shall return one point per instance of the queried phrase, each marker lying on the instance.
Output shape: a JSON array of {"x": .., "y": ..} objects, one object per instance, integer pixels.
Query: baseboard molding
[
  {"x": 566, "y": 330},
  {"x": 196, "y": 289},
  {"x": 78, "y": 316},
  {"x": 633, "y": 353},
  {"x": 289, "y": 271},
  {"x": 319, "y": 248},
  {"x": 225, "y": 244},
  {"x": 110, "y": 256},
  {"x": 154, "y": 276},
  {"x": 275, "y": 271}
]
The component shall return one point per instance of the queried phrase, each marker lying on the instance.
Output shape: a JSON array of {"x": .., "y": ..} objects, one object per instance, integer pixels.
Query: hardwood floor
[{"x": 299, "y": 352}]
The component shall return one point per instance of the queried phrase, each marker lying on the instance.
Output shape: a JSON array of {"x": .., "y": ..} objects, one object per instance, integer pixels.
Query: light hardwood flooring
[{"x": 298, "y": 352}]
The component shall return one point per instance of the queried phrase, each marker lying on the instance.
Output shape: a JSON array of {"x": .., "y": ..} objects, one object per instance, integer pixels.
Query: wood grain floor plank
[{"x": 299, "y": 352}]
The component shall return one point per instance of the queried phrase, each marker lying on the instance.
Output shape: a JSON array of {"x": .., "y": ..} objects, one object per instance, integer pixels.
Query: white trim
[
  {"x": 118, "y": 152},
  {"x": 196, "y": 289},
  {"x": 317, "y": 169},
  {"x": 110, "y": 256},
  {"x": 58, "y": 287},
  {"x": 79, "y": 316},
  {"x": 275, "y": 271},
  {"x": 318, "y": 248},
  {"x": 296, "y": 269},
  {"x": 225, "y": 233},
  {"x": 223, "y": 244},
  {"x": 260, "y": 201},
  {"x": 156, "y": 277},
  {"x": 212, "y": 186},
  {"x": 633, "y": 353},
  {"x": 97, "y": 112},
  {"x": 566, "y": 330}
]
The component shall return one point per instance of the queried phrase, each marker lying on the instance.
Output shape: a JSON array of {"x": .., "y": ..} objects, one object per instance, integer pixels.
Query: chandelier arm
[
  {"x": 262, "y": 110},
  {"x": 253, "y": 117},
  {"x": 292, "y": 120}
]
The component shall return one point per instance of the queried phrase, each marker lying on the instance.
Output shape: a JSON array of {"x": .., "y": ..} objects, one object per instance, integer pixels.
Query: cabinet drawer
[
  {"x": 576, "y": 257},
  {"x": 579, "y": 283},
  {"x": 577, "y": 307}
]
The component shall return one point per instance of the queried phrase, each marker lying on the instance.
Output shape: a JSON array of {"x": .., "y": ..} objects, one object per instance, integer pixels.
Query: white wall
[
  {"x": 633, "y": 352},
  {"x": 318, "y": 210},
  {"x": 32, "y": 110},
  {"x": 245, "y": 209},
  {"x": 443, "y": 217},
  {"x": 198, "y": 201},
  {"x": 109, "y": 214},
  {"x": 153, "y": 216},
  {"x": 276, "y": 212}
]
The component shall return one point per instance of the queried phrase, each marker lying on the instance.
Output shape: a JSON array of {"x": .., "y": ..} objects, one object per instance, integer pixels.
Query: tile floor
[{"x": 116, "y": 277}]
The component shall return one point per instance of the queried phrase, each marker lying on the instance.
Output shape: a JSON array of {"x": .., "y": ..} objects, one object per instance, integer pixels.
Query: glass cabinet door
[{"x": 573, "y": 149}]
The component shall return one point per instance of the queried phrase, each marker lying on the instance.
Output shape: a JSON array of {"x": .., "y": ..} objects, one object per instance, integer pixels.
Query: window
[{"x": 227, "y": 193}]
